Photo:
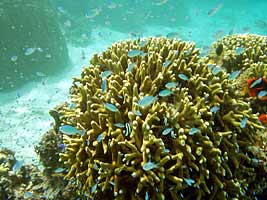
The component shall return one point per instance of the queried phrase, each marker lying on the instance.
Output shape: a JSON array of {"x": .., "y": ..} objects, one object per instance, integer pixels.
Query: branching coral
[{"x": 152, "y": 121}]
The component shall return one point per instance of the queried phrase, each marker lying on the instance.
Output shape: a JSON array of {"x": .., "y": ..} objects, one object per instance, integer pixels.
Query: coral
[
  {"x": 238, "y": 52},
  {"x": 153, "y": 121}
]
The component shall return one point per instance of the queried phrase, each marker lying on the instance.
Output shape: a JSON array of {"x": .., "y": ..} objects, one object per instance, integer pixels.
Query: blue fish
[
  {"x": 111, "y": 107},
  {"x": 130, "y": 67},
  {"x": 215, "y": 70},
  {"x": 243, "y": 122},
  {"x": 214, "y": 109},
  {"x": 119, "y": 125},
  {"x": 166, "y": 131},
  {"x": 210, "y": 66},
  {"x": 166, "y": 63},
  {"x": 93, "y": 189},
  {"x": 146, "y": 101},
  {"x": 258, "y": 81},
  {"x": 171, "y": 85},
  {"x": 99, "y": 137},
  {"x": 105, "y": 74},
  {"x": 70, "y": 130},
  {"x": 142, "y": 43},
  {"x": 29, "y": 51},
  {"x": 234, "y": 75},
  {"x": 104, "y": 86},
  {"x": 193, "y": 131},
  {"x": 239, "y": 50},
  {"x": 165, "y": 93},
  {"x": 183, "y": 77},
  {"x": 262, "y": 94},
  {"x": 166, "y": 150},
  {"x": 28, "y": 195},
  {"x": 149, "y": 166},
  {"x": 189, "y": 181},
  {"x": 147, "y": 196},
  {"x": 59, "y": 170},
  {"x": 134, "y": 53},
  {"x": 16, "y": 167}
]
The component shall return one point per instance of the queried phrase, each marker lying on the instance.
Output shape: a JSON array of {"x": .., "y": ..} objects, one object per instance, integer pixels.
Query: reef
[{"x": 149, "y": 119}]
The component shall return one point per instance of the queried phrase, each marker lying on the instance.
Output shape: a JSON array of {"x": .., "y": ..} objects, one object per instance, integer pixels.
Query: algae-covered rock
[
  {"x": 149, "y": 119},
  {"x": 32, "y": 45}
]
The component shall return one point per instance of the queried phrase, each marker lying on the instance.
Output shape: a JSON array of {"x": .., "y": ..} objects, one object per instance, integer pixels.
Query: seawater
[{"x": 35, "y": 78}]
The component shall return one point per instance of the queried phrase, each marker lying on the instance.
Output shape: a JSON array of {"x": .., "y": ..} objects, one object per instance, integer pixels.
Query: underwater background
[{"x": 44, "y": 44}]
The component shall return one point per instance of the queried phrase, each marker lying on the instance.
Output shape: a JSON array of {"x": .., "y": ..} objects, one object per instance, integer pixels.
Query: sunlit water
[{"x": 24, "y": 114}]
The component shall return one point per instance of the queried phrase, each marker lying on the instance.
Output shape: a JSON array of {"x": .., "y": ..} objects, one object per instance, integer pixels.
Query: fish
[
  {"x": 28, "y": 195},
  {"x": 149, "y": 166},
  {"x": 189, "y": 181},
  {"x": 166, "y": 131},
  {"x": 254, "y": 86},
  {"x": 215, "y": 70},
  {"x": 119, "y": 125},
  {"x": 59, "y": 170},
  {"x": 147, "y": 196},
  {"x": 239, "y": 50},
  {"x": 170, "y": 85},
  {"x": 262, "y": 95},
  {"x": 166, "y": 63},
  {"x": 14, "y": 58},
  {"x": 70, "y": 130},
  {"x": 104, "y": 86},
  {"x": 146, "y": 101},
  {"x": 193, "y": 131},
  {"x": 165, "y": 93},
  {"x": 130, "y": 67},
  {"x": 29, "y": 51},
  {"x": 214, "y": 109},
  {"x": 111, "y": 107},
  {"x": 137, "y": 113},
  {"x": 219, "y": 49},
  {"x": 243, "y": 122},
  {"x": 16, "y": 167},
  {"x": 234, "y": 75},
  {"x": 105, "y": 74},
  {"x": 215, "y": 9},
  {"x": 99, "y": 137},
  {"x": 183, "y": 77},
  {"x": 134, "y": 53},
  {"x": 263, "y": 118}
]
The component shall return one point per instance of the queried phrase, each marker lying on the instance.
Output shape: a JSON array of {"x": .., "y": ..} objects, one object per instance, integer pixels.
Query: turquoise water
[{"x": 43, "y": 45}]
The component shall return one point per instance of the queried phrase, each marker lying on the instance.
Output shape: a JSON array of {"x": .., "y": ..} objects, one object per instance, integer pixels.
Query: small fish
[
  {"x": 166, "y": 131},
  {"x": 171, "y": 85},
  {"x": 255, "y": 82},
  {"x": 28, "y": 195},
  {"x": 104, "y": 86},
  {"x": 119, "y": 125},
  {"x": 214, "y": 109},
  {"x": 40, "y": 74},
  {"x": 239, "y": 50},
  {"x": 166, "y": 63},
  {"x": 16, "y": 167},
  {"x": 234, "y": 75},
  {"x": 14, "y": 58},
  {"x": 29, "y": 51},
  {"x": 99, "y": 137},
  {"x": 193, "y": 131},
  {"x": 93, "y": 189},
  {"x": 128, "y": 129},
  {"x": 130, "y": 67},
  {"x": 83, "y": 55},
  {"x": 149, "y": 166},
  {"x": 137, "y": 113},
  {"x": 215, "y": 70},
  {"x": 189, "y": 181},
  {"x": 134, "y": 53},
  {"x": 105, "y": 74},
  {"x": 243, "y": 122},
  {"x": 215, "y": 9},
  {"x": 166, "y": 150},
  {"x": 59, "y": 170},
  {"x": 183, "y": 77},
  {"x": 70, "y": 130},
  {"x": 263, "y": 118},
  {"x": 262, "y": 95},
  {"x": 111, "y": 107},
  {"x": 146, "y": 101},
  {"x": 173, "y": 35},
  {"x": 142, "y": 43},
  {"x": 147, "y": 196},
  {"x": 165, "y": 93}
]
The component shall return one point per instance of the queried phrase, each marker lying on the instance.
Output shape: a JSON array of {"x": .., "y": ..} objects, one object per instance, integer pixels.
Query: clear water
[{"x": 46, "y": 43}]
